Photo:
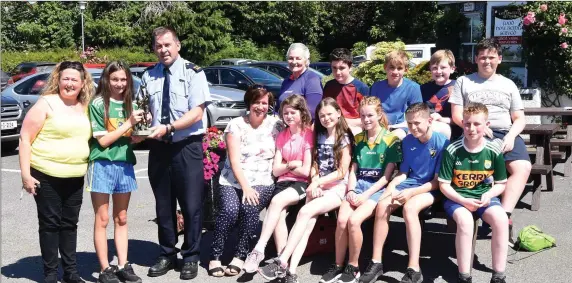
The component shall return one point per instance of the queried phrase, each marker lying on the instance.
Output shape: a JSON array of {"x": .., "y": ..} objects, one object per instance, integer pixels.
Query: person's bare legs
[
  {"x": 362, "y": 213},
  {"x": 100, "y": 202},
  {"x": 411, "y": 211},
  {"x": 519, "y": 171},
  {"x": 344, "y": 214},
  {"x": 273, "y": 219},
  {"x": 120, "y": 205},
  {"x": 381, "y": 225},
  {"x": 464, "y": 238},
  {"x": 498, "y": 220}
]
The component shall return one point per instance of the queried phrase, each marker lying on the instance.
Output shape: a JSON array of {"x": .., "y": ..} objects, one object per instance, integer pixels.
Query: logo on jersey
[
  {"x": 458, "y": 163},
  {"x": 470, "y": 178},
  {"x": 381, "y": 158},
  {"x": 488, "y": 164},
  {"x": 433, "y": 152}
]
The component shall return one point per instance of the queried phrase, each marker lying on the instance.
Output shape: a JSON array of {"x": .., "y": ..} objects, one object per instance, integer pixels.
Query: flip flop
[
  {"x": 232, "y": 270},
  {"x": 216, "y": 270}
]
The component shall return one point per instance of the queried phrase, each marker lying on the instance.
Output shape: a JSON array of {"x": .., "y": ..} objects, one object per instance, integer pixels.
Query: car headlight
[{"x": 229, "y": 104}]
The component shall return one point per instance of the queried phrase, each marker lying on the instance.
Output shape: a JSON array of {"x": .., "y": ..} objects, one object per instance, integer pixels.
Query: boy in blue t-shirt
[
  {"x": 396, "y": 92},
  {"x": 436, "y": 92},
  {"x": 345, "y": 89},
  {"x": 415, "y": 187}
]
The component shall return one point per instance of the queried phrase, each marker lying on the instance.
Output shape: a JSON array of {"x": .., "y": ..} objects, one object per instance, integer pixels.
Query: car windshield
[{"x": 260, "y": 76}]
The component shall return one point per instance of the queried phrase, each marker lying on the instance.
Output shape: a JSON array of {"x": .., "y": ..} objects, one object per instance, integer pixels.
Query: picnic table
[
  {"x": 565, "y": 145},
  {"x": 541, "y": 173}
]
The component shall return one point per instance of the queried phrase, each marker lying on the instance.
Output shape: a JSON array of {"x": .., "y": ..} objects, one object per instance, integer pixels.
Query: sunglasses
[
  {"x": 258, "y": 86},
  {"x": 71, "y": 65}
]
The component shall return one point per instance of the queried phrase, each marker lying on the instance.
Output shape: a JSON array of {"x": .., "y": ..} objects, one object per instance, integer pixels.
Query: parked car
[
  {"x": 280, "y": 68},
  {"x": 4, "y": 77},
  {"x": 241, "y": 77},
  {"x": 137, "y": 71},
  {"x": 227, "y": 103},
  {"x": 25, "y": 69},
  {"x": 12, "y": 117},
  {"x": 324, "y": 67},
  {"x": 232, "y": 62}
]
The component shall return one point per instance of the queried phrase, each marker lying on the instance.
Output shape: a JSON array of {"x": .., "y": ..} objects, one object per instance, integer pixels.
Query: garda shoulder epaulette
[{"x": 193, "y": 67}]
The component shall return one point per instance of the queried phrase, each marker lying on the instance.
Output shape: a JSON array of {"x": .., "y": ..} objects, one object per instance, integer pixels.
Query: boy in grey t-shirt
[{"x": 506, "y": 115}]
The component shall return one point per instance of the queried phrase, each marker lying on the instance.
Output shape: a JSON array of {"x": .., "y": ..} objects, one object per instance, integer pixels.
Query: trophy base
[{"x": 141, "y": 133}]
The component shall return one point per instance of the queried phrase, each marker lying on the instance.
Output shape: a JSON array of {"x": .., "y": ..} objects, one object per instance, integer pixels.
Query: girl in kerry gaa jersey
[{"x": 110, "y": 170}]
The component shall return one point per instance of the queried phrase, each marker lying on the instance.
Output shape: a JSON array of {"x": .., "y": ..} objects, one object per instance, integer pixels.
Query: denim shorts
[
  {"x": 450, "y": 207},
  {"x": 363, "y": 185},
  {"x": 518, "y": 152},
  {"x": 410, "y": 183},
  {"x": 110, "y": 177}
]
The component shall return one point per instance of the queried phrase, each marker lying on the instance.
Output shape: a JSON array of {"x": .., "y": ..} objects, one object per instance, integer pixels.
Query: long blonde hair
[{"x": 53, "y": 85}]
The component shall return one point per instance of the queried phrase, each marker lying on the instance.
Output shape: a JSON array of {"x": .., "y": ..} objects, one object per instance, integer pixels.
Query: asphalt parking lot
[{"x": 21, "y": 261}]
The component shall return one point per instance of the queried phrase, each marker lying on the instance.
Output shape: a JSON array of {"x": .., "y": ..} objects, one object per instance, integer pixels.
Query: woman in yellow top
[{"x": 53, "y": 160}]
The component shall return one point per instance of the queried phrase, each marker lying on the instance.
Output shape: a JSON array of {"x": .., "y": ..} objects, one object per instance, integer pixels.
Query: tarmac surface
[{"x": 21, "y": 260}]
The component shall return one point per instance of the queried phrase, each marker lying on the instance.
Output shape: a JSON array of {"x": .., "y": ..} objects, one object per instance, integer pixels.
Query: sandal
[
  {"x": 217, "y": 271},
  {"x": 232, "y": 270}
]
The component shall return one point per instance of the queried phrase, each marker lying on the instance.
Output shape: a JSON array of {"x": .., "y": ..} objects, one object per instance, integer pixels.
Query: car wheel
[{"x": 9, "y": 146}]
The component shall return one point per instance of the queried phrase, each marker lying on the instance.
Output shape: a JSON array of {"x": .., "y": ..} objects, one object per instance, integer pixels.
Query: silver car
[
  {"x": 227, "y": 103},
  {"x": 12, "y": 118}
]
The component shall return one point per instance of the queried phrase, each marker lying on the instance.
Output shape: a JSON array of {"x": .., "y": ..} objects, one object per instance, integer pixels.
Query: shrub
[
  {"x": 420, "y": 74},
  {"x": 546, "y": 51},
  {"x": 372, "y": 70}
]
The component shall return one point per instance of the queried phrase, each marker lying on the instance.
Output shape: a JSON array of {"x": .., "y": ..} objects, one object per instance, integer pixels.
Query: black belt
[{"x": 189, "y": 139}]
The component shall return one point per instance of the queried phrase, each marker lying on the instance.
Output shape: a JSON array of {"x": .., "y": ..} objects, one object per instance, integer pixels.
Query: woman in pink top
[{"x": 292, "y": 164}]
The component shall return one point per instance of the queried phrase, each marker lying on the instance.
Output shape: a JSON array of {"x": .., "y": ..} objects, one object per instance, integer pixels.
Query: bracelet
[
  {"x": 172, "y": 128},
  {"x": 350, "y": 191}
]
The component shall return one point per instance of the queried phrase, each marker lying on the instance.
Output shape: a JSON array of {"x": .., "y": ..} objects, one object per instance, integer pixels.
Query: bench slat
[
  {"x": 540, "y": 169},
  {"x": 561, "y": 142},
  {"x": 554, "y": 154}
]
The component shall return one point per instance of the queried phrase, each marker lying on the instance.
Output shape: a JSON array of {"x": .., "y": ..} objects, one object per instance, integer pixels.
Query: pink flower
[
  {"x": 562, "y": 19},
  {"x": 564, "y": 45},
  {"x": 205, "y": 146},
  {"x": 205, "y": 160},
  {"x": 208, "y": 166},
  {"x": 564, "y": 30},
  {"x": 529, "y": 19},
  {"x": 543, "y": 7},
  {"x": 214, "y": 157},
  {"x": 222, "y": 145}
]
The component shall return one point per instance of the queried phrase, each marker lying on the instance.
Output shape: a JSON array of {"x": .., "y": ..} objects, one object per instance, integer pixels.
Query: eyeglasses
[
  {"x": 71, "y": 65},
  {"x": 258, "y": 86}
]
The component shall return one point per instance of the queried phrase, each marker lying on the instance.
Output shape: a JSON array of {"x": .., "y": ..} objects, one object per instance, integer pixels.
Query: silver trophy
[{"x": 142, "y": 129}]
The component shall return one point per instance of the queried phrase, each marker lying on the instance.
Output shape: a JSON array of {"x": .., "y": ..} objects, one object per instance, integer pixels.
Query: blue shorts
[
  {"x": 110, "y": 177},
  {"x": 410, "y": 183},
  {"x": 450, "y": 207},
  {"x": 362, "y": 185},
  {"x": 518, "y": 152}
]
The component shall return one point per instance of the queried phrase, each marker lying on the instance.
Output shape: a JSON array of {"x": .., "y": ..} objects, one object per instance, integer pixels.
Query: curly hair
[
  {"x": 372, "y": 100},
  {"x": 53, "y": 84},
  {"x": 298, "y": 102}
]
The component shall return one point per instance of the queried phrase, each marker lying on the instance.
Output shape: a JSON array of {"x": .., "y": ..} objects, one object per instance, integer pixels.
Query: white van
[{"x": 420, "y": 52}]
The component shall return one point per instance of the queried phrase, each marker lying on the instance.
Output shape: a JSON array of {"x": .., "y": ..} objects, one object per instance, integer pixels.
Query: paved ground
[{"x": 21, "y": 261}]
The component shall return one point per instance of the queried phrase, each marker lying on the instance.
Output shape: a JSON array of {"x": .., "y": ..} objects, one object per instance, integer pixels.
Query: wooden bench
[{"x": 536, "y": 173}]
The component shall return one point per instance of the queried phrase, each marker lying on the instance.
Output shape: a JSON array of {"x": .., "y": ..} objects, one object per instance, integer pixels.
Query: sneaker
[
  {"x": 127, "y": 274},
  {"x": 332, "y": 275},
  {"x": 273, "y": 270},
  {"x": 467, "y": 280},
  {"x": 372, "y": 272},
  {"x": 108, "y": 276},
  {"x": 412, "y": 276},
  {"x": 252, "y": 261},
  {"x": 290, "y": 278},
  {"x": 350, "y": 274},
  {"x": 497, "y": 280}
]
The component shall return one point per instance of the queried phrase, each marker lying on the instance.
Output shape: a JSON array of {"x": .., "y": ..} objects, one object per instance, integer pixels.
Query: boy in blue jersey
[
  {"x": 345, "y": 89},
  {"x": 415, "y": 187},
  {"x": 396, "y": 92}
]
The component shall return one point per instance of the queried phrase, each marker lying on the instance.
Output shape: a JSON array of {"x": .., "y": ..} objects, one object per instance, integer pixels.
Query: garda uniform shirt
[
  {"x": 121, "y": 149},
  {"x": 421, "y": 161},
  {"x": 347, "y": 95},
  {"x": 188, "y": 88},
  {"x": 395, "y": 100},
  {"x": 437, "y": 97},
  {"x": 499, "y": 94},
  {"x": 472, "y": 174},
  {"x": 372, "y": 159}
]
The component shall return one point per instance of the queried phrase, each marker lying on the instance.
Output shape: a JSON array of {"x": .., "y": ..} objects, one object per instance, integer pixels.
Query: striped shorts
[{"x": 110, "y": 177}]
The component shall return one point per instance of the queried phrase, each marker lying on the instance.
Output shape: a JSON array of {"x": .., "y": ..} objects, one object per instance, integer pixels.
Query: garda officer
[{"x": 179, "y": 94}]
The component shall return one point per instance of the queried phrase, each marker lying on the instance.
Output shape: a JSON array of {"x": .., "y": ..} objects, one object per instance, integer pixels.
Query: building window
[{"x": 471, "y": 36}]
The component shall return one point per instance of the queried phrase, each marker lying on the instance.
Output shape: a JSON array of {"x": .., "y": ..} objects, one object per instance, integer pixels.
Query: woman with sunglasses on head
[
  {"x": 246, "y": 182},
  {"x": 54, "y": 150},
  {"x": 302, "y": 81}
]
